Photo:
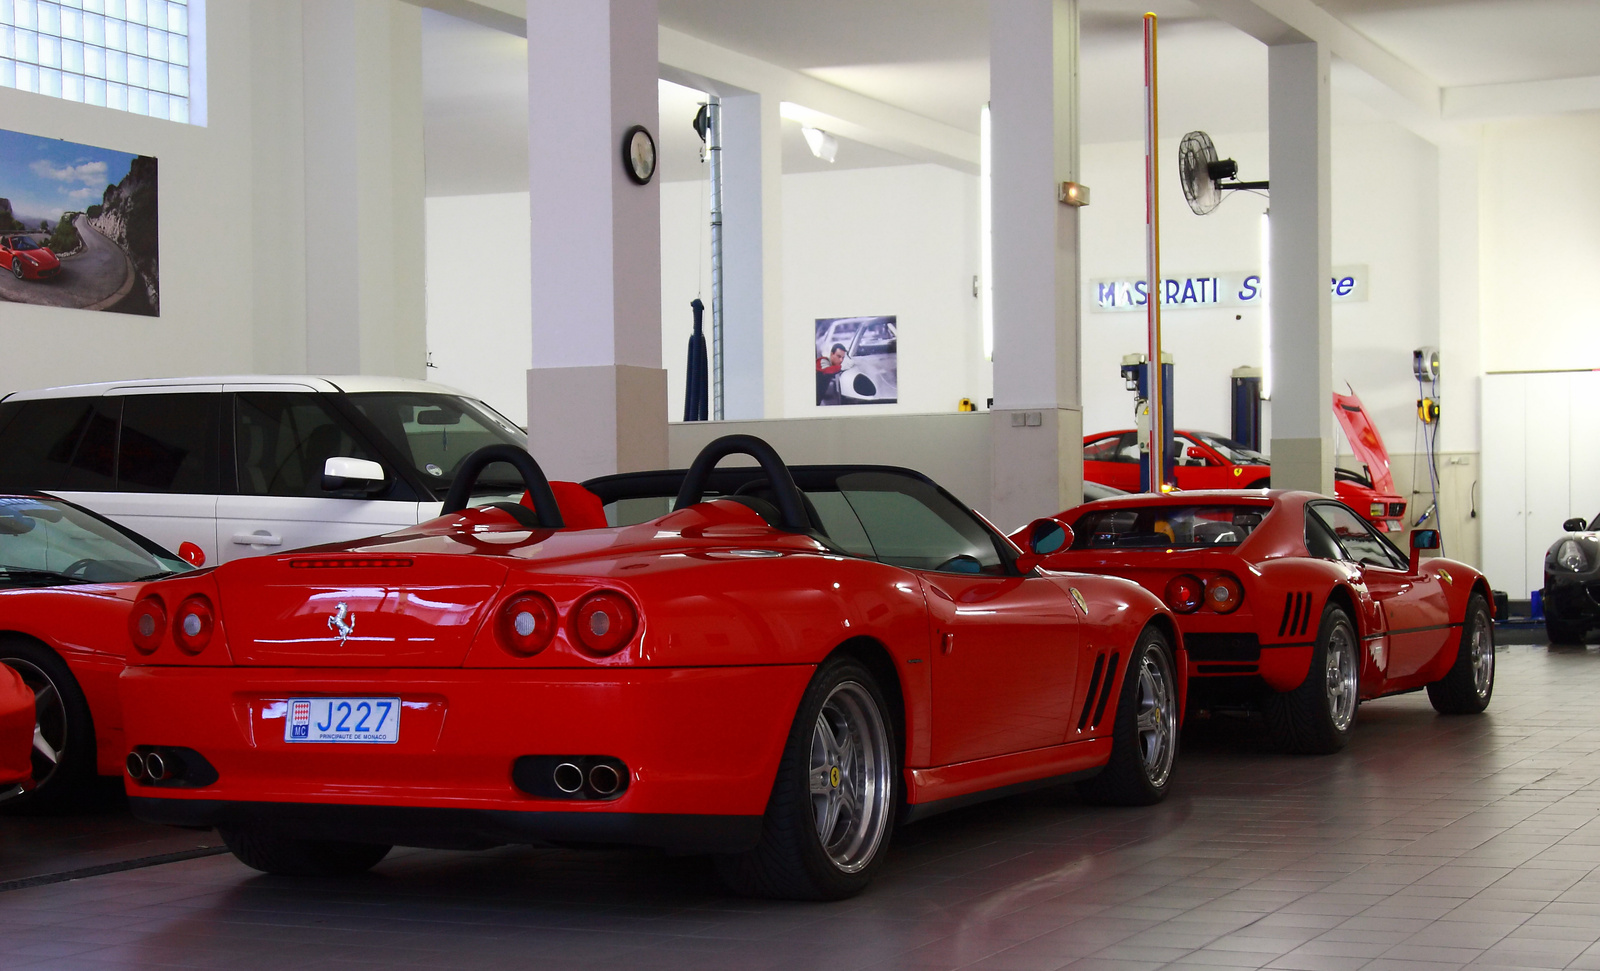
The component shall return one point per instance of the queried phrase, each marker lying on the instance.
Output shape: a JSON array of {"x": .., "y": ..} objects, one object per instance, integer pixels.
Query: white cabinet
[{"x": 1540, "y": 468}]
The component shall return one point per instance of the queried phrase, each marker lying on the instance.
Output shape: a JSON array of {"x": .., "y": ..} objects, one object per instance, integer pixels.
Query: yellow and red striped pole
[{"x": 1152, "y": 198}]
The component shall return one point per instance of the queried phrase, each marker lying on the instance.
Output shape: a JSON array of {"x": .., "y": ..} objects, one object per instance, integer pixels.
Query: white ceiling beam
[
  {"x": 700, "y": 64},
  {"x": 1293, "y": 21},
  {"x": 1485, "y": 102}
]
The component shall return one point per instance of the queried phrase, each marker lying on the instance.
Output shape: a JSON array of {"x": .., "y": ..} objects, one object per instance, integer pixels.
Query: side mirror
[
  {"x": 1422, "y": 539},
  {"x": 1041, "y": 541},
  {"x": 342, "y": 473},
  {"x": 1574, "y": 525}
]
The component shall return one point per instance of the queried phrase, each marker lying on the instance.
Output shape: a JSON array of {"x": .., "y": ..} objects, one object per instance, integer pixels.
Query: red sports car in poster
[
  {"x": 27, "y": 258},
  {"x": 1292, "y": 602},
  {"x": 772, "y": 665},
  {"x": 67, "y": 581}
]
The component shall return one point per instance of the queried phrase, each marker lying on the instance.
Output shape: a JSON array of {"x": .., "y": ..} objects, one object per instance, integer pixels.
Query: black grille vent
[
  {"x": 1296, "y": 615},
  {"x": 1104, "y": 676},
  {"x": 1235, "y": 648}
]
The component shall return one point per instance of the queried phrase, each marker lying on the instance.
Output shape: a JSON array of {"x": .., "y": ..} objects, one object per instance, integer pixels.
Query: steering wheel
[
  {"x": 546, "y": 512},
  {"x": 785, "y": 494}
]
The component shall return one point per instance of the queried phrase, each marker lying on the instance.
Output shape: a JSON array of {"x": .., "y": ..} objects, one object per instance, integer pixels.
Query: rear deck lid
[{"x": 356, "y": 610}]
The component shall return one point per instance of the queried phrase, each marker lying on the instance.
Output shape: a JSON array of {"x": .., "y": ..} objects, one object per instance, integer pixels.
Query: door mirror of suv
[
  {"x": 343, "y": 474},
  {"x": 1574, "y": 525},
  {"x": 1041, "y": 541}
]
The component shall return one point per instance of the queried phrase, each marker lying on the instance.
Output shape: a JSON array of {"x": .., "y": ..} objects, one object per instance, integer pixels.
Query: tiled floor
[{"x": 1430, "y": 843}]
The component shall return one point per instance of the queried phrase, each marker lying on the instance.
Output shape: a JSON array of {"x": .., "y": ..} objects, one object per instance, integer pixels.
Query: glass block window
[{"x": 143, "y": 56}]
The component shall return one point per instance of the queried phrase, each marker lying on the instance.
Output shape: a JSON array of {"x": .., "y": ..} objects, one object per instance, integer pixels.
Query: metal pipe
[
  {"x": 135, "y": 763},
  {"x": 1152, "y": 199},
  {"x": 155, "y": 766},
  {"x": 714, "y": 154}
]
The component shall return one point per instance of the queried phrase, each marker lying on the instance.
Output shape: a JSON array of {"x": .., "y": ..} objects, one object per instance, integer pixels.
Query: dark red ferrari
[
  {"x": 1293, "y": 602},
  {"x": 27, "y": 258},
  {"x": 768, "y": 664},
  {"x": 67, "y": 581}
]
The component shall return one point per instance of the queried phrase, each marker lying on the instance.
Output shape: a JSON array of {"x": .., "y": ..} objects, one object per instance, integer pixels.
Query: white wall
[
  {"x": 1541, "y": 244},
  {"x": 479, "y": 299},
  {"x": 232, "y": 282}
]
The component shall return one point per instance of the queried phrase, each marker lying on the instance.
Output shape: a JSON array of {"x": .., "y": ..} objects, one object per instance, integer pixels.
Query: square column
[
  {"x": 1299, "y": 296},
  {"x": 1037, "y": 429},
  {"x": 752, "y": 233},
  {"x": 597, "y": 394}
]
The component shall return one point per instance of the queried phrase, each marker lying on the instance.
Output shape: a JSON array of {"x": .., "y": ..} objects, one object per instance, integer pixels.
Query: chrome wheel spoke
[
  {"x": 821, "y": 780},
  {"x": 44, "y": 748},
  {"x": 850, "y": 777},
  {"x": 45, "y": 699}
]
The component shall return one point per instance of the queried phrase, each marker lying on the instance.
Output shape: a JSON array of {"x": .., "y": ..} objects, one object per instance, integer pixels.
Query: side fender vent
[
  {"x": 1296, "y": 615},
  {"x": 1105, "y": 689},
  {"x": 1094, "y": 685}
]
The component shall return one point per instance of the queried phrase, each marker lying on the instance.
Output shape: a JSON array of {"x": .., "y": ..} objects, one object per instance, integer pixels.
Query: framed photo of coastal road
[{"x": 78, "y": 226}]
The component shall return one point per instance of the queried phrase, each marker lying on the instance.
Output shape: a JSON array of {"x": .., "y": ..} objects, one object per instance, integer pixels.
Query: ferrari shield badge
[
  {"x": 343, "y": 622},
  {"x": 1077, "y": 598}
]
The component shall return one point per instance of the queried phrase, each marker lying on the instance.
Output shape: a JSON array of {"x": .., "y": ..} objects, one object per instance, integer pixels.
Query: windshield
[
  {"x": 24, "y": 243},
  {"x": 1235, "y": 452},
  {"x": 875, "y": 337},
  {"x": 434, "y": 432},
  {"x": 1167, "y": 527},
  {"x": 45, "y": 542}
]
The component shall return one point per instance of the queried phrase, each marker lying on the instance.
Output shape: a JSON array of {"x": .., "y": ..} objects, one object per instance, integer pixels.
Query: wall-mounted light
[{"x": 822, "y": 144}]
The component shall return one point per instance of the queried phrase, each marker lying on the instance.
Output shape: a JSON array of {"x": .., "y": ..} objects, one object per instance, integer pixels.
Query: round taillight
[
  {"x": 604, "y": 623},
  {"x": 1185, "y": 593},
  {"x": 527, "y": 623},
  {"x": 1224, "y": 594},
  {"x": 147, "y": 624},
  {"x": 191, "y": 625}
]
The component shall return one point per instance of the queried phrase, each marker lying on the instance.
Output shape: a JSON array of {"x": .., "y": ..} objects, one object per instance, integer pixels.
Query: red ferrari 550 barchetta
[
  {"x": 1292, "y": 601},
  {"x": 772, "y": 665}
]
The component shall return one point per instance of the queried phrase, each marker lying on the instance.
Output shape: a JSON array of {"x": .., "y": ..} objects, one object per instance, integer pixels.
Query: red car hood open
[{"x": 1364, "y": 440}]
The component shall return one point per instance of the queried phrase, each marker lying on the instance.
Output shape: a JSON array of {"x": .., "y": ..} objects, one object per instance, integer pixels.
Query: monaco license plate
[{"x": 372, "y": 720}]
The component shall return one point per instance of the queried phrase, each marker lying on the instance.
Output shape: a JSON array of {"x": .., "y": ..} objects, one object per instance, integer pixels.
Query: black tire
[
  {"x": 64, "y": 728},
  {"x": 273, "y": 852},
  {"x": 1564, "y": 632},
  {"x": 1469, "y": 684},
  {"x": 1304, "y": 720},
  {"x": 791, "y": 861},
  {"x": 1144, "y": 734}
]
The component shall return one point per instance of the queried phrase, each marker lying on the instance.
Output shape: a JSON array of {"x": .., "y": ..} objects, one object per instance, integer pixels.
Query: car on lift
[
  {"x": 1572, "y": 582},
  {"x": 67, "y": 582},
  {"x": 27, "y": 258},
  {"x": 1206, "y": 460},
  {"x": 1292, "y": 603},
  {"x": 218, "y": 468},
  {"x": 773, "y": 665}
]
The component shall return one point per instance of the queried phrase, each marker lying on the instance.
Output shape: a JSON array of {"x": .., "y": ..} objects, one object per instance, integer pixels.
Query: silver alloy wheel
[
  {"x": 1341, "y": 676},
  {"x": 1156, "y": 715},
  {"x": 49, "y": 722},
  {"x": 851, "y": 776},
  {"x": 1482, "y": 656}
]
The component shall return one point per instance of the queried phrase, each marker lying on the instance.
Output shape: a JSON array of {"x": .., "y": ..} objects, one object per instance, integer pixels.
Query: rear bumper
[
  {"x": 701, "y": 747},
  {"x": 461, "y": 828}
]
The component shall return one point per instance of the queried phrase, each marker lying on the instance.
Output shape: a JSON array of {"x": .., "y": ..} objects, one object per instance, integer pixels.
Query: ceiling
[{"x": 930, "y": 57}]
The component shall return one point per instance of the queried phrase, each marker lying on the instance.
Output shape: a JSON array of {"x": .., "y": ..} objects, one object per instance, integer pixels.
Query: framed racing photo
[
  {"x": 856, "y": 361},
  {"x": 78, "y": 226}
]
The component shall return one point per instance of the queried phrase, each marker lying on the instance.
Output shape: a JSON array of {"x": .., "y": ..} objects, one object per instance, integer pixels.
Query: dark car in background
[{"x": 1572, "y": 582}]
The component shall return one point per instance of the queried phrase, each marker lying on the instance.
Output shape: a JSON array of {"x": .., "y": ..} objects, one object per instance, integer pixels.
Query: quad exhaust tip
[
  {"x": 604, "y": 779},
  {"x": 568, "y": 777},
  {"x": 135, "y": 763}
]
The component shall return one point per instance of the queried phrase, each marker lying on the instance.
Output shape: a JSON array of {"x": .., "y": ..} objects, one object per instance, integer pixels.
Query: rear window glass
[
  {"x": 169, "y": 443},
  {"x": 1167, "y": 527},
  {"x": 39, "y": 440}
]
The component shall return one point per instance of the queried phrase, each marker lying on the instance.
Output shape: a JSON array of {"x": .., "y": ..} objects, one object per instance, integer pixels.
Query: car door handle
[
  {"x": 258, "y": 538},
  {"x": 947, "y": 643}
]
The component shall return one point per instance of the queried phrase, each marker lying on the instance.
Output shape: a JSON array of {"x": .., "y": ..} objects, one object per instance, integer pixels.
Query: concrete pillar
[
  {"x": 1038, "y": 413},
  {"x": 1300, "y": 298},
  {"x": 363, "y": 238},
  {"x": 597, "y": 394},
  {"x": 752, "y": 226}
]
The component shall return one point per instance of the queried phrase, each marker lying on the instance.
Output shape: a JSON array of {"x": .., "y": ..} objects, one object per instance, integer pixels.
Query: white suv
[{"x": 224, "y": 467}]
